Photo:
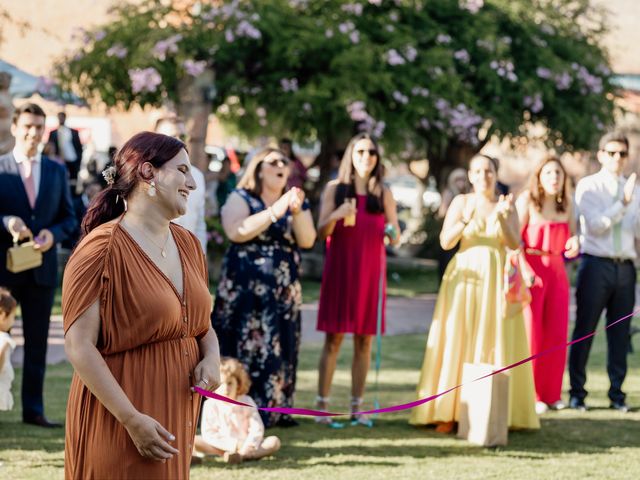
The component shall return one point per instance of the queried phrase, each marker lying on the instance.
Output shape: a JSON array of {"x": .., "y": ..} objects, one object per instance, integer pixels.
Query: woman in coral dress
[
  {"x": 547, "y": 221},
  {"x": 354, "y": 210},
  {"x": 471, "y": 322},
  {"x": 136, "y": 306}
]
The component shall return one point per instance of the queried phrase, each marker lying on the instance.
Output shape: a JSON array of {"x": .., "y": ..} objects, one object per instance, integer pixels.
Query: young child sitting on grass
[
  {"x": 232, "y": 431},
  {"x": 7, "y": 345}
]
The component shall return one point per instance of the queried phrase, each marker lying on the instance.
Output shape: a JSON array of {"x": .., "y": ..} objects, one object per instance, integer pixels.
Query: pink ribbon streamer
[{"x": 405, "y": 406}]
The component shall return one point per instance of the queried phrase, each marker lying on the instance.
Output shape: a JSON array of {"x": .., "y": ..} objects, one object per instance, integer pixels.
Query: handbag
[
  {"x": 484, "y": 406},
  {"x": 518, "y": 278},
  {"x": 23, "y": 256}
]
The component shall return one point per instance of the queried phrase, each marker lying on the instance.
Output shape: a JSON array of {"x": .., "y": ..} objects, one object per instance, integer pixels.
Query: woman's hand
[
  {"x": 150, "y": 438},
  {"x": 572, "y": 247},
  {"x": 344, "y": 210},
  {"x": 281, "y": 205},
  {"x": 505, "y": 207},
  {"x": 207, "y": 373},
  {"x": 296, "y": 198}
]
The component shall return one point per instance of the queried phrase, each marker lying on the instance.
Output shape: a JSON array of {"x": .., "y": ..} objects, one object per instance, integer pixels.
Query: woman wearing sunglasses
[
  {"x": 257, "y": 308},
  {"x": 355, "y": 208}
]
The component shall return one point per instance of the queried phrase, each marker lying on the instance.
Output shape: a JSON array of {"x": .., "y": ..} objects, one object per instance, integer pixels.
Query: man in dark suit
[
  {"x": 66, "y": 146},
  {"x": 34, "y": 200}
]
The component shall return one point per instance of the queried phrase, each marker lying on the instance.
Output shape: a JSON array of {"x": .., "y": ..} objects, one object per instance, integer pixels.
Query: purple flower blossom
[
  {"x": 544, "y": 72},
  {"x": 410, "y": 52},
  {"x": 229, "y": 36},
  {"x": 377, "y": 3},
  {"x": 534, "y": 103},
  {"x": 354, "y": 36},
  {"x": 289, "y": 85},
  {"x": 328, "y": 33},
  {"x": 99, "y": 35},
  {"x": 472, "y": 6},
  {"x": 394, "y": 58},
  {"x": 443, "y": 39},
  {"x": 485, "y": 44},
  {"x": 80, "y": 34},
  {"x": 145, "y": 79},
  {"x": 420, "y": 91},
  {"x": 117, "y": 50},
  {"x": 261, "y": 112},
  {"x": 563, "y": 81},
  {"x": 592, "y": 83},
  {"x": 400, "y": 97},
  {"x": 357, "y": 111},
  {"x": 379, "y": 128},
  {"x": 346, "y": 27},
  {"x": 246, "y": 29},
  {"x": 603, "y": 69},
  {"x": 462, "y": 55},
  {"x": 424, "y": 123},
  {"x": 168, "y": 45},
  {"x": 44, "y": 85},
  {"x": 394, "y": 17},
  {"x": 504, "y": 69},
  {"x": 194, "y": 68},
  {"x": 354, "y": 8}
]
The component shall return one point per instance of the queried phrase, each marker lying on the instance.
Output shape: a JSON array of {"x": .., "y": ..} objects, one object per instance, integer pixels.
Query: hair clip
[{"x": 109, "y": 175}]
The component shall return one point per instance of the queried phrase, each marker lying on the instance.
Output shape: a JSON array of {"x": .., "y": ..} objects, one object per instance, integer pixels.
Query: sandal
[
  {"x": 321, "y": 404},
  {"x": 360, "y": 419}
]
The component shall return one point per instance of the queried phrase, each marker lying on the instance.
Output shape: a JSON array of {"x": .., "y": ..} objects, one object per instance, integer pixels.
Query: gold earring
[{"x": 152, "y": 189}]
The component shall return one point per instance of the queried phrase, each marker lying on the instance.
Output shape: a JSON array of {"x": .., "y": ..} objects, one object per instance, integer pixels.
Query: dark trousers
[
  {"x": 602, "y": 283},
  {"x": 36, "y": 303}
]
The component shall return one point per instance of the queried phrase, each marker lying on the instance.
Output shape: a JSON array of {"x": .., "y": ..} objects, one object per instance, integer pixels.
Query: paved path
[{"x": 404, "y": 316}]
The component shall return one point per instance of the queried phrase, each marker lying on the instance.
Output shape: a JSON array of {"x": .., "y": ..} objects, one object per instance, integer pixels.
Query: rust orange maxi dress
[{"x": 149, "y": 340}]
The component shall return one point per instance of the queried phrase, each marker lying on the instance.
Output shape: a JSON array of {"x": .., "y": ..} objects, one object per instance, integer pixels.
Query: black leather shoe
[
  {"x": 619, "y": 406},
  {"x": 286, "y": 422},
  {"x": 41, "y": 421},
  {"x": 577, "y": 404}
]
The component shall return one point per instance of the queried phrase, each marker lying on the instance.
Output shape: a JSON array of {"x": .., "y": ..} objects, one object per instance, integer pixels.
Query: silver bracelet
[{"x": 272, "y": 216}]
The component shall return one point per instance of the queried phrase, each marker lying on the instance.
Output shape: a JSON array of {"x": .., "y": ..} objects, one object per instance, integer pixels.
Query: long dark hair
[
  {"x": 536, "y": 192},
  {"x": 155, "y": 148},
  {"x": 346, "y": 186}
]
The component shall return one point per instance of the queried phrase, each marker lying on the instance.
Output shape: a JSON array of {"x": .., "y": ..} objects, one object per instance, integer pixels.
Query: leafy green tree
[{"x": 432, "y": 76}]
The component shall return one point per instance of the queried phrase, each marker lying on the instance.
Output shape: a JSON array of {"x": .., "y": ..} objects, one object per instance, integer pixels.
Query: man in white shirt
[
  {"x": 194, "y": 219},
  {"x": 67, "y": 146},
  {"x": 609, "y": 211}
]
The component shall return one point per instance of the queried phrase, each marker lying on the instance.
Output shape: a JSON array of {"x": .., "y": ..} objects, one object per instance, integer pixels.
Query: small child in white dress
[
  {"x": 7, "y": 345},
  {"x": 232, "y": 431}
]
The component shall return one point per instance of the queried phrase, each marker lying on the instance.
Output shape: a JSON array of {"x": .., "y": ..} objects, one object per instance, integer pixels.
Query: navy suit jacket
[
  {"x": 75, "y": 140},
  {"x": 53, "y": 211}
]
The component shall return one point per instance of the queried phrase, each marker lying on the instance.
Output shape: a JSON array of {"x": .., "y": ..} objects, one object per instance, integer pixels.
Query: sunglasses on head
[
  {"x": 622, "y": 153},
  {"x": 371, "y": 152}
]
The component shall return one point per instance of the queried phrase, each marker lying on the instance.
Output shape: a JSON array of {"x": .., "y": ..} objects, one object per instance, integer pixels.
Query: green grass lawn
[{"x": 598, "y": 444}]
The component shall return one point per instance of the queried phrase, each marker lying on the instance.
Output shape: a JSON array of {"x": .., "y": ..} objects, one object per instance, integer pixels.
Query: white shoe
[
  {"x": 541, "y": 408},
  {"x": 559, "y": 405}
]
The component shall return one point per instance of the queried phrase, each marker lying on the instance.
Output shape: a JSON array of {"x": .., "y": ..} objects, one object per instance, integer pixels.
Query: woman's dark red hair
[{"x": 154, "y": 148}]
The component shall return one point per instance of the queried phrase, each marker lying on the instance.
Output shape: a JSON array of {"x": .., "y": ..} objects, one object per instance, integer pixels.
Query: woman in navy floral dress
[{"x": 257, "y": 309}]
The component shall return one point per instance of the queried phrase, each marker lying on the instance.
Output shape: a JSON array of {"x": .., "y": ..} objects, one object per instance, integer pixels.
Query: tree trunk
[
  {"x": 6, "y": 111},
  {"x": 194, "y": 107},
  {"x": 455, "y": 155}
]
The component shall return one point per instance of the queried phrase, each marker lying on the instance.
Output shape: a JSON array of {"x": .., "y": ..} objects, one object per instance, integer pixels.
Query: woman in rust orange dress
[{"x": 136, "y": 319}]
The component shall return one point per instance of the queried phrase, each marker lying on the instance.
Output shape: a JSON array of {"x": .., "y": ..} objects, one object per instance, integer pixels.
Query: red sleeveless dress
[{"x": 354, "y": 263}]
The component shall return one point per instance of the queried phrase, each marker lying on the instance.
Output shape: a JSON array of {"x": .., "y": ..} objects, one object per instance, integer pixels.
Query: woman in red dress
[
  {"x": 355, "y": 208},
  {"x": 548, "y": 226}
]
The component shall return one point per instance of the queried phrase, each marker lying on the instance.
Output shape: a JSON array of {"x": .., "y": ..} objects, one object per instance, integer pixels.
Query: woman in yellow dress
[{"x": 471, "y": 321}]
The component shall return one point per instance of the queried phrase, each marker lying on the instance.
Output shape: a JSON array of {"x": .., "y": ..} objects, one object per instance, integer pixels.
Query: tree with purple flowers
[{"x": 436, "y": 77}]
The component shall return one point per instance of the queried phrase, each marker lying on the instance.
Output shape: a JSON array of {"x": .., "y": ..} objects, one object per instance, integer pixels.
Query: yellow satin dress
[{"x": 472, "y": 323}]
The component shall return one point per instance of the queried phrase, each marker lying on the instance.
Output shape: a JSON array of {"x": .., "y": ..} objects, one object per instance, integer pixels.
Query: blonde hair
[
  {"x": 251, "y": 179},
  {"x": 231, "y": 367}
]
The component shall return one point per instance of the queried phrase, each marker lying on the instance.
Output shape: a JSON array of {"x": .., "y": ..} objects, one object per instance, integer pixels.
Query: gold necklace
[{"x": 163, "y": 250}]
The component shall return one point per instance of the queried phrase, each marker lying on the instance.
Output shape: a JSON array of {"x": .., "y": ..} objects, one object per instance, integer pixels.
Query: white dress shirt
[
  {"x": 603, "y": 216},
  {"x": 65, "y": 143},
  {"x": 35, "y": 167},
  {"x": 193, "y": 219}
]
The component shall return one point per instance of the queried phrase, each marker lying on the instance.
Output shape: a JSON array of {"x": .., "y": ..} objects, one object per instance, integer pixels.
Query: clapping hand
[
  {"x": 505, "y": 207},
  {"x": 296, "y": 199},
  {"x": 629, "y": 187}
]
